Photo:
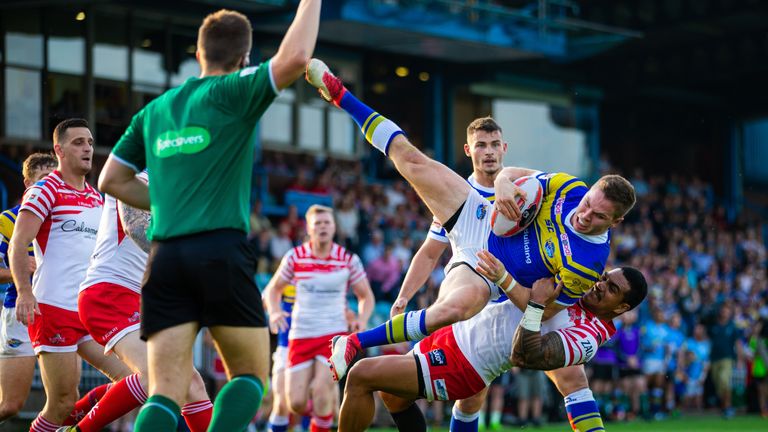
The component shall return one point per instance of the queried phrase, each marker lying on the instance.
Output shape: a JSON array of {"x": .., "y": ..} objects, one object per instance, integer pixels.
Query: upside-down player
[{"x": 569, "y": 239}]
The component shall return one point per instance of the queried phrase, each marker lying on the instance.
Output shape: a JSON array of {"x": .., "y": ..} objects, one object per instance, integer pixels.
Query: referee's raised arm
[{"x": 297, "y": 47}]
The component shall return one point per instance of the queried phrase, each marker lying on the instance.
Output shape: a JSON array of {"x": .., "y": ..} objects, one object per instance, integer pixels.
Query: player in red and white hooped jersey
[
  {"x": 109, "y": 308},
  {"x": 322, "y": 272},
  {"x": 60, "y": 216},
  {"x": 458, "y": 361}
]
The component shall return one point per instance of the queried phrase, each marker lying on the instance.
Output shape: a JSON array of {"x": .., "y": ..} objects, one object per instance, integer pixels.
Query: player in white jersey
[
  {"x": 322, "y": 272},
  {"x": 458, "y": 361},
  {"x": 109, "y": 308},
  {"x": 61, "y": 214},
  {"x": 17, "y": 359},
  {"x": 486, "y": 148}
]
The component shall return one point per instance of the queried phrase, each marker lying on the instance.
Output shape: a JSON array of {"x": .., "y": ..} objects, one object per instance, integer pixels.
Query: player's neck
[
  {"x": 484, "y": 179},
  {"x": 213, "y": 71},
  {"x": 321, "y": 250},
  {"x": 72, "y": 179}
]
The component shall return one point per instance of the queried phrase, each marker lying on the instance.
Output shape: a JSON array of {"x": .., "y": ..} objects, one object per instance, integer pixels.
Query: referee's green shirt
[{"x": 196, "y": 142}]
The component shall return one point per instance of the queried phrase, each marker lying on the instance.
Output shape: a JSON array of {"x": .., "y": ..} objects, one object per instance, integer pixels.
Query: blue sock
[
  {"x": 461, "y": 422},
  {"x": 378, "y": 130},
  {"x": 305, "y": 421},
  {"x": 583, "y": 413},
  {"x": 410, "y": 326},
  {"x": 278, "y": 423}
]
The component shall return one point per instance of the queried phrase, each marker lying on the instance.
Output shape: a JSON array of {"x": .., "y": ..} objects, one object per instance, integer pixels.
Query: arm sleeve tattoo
[
  {"x": 531, "y": 350},
  {"x": 135, "y": 223}
]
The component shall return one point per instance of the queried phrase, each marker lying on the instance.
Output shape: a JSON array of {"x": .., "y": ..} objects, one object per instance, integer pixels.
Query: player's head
[
  {"x": 37, "y": 166},
  {"x": 73, "y": 145},
  {"x": 618, "y": 291},
  {"x": 485, "y": 145},
  {"x": 224, "y": 41},
  {"x": 604, "y": 205},
  {"x": 320, "y": 224}
]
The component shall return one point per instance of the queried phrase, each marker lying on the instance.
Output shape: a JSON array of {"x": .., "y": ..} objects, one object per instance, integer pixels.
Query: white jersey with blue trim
[{"x": 436, "y": 230}]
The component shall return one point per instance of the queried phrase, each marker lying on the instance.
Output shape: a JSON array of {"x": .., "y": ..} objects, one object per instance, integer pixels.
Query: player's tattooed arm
[
  {"x": 531, "y": 350},
  {"x": 135, "y": 223}
]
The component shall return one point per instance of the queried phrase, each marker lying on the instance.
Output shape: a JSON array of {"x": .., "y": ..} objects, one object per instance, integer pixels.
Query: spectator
[
  {"x": 695, "y": 355},
  {"x": 296, "y": 225},
  {"x": 530, "y": 386},
  {"x": 724, "y": 336},
  {"x": 758, "y": 345},
  {"x": 375, "y": 248},
  {"x": 654, "y": 359},
  {"x": 347, "y": 221},
  {"x": 259, "y": 222},
  {"x": 632, "y": 378},
  {"x": 281, "y": 243},
  {"x": 385, "y": 273}
]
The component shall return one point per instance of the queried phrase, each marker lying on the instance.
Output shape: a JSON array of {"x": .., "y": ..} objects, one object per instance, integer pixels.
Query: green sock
[
  {"x": 236, "y": 404},
  {"x": 159, "y": 414}
]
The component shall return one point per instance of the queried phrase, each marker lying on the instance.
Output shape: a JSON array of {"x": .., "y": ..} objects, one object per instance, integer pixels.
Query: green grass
[{"x": 707, "y": 423}]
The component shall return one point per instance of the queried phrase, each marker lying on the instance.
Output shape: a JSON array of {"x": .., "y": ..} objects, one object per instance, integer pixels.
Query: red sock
[
  {"x": 321, "y": 423},
  {"x": 42, "y": 425},
  {"x": 84, "y": 405},
  {"x": 121, "y": 399},
  {"x": 197, "y": 415}
]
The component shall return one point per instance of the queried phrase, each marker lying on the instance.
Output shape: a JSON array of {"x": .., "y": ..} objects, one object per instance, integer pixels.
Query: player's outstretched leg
[{"x": 441, "y": 189}]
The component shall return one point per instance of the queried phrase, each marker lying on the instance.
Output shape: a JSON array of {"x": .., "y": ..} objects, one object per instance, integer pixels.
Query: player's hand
[
  {"x": 27, "y": 308},
  {"x": 490, "y": 266},
  {"x": 509, "y": 197},
  {"x": 398, "y": 307},
  {"x": 544, "y": 291},
  {"x": 356, "y": 326},
  {"x": 633, "y": 362},
  {"x": 278, "y": 321},
  {"x": 32, "y": 265}
]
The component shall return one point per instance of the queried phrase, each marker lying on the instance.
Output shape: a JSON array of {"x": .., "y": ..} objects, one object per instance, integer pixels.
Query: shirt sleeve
[
  {"x": 39, "y": 200},
  {"x": 437, "y": 232},
  {"x": 356, "y": 270},
  {"x": 248, "y": 92},
  {"x": 580, "y": 343},
  {"x": 286, "y": 269},
  {"x": 130, "y": 150},
  {"x": 3, "y": 251}
]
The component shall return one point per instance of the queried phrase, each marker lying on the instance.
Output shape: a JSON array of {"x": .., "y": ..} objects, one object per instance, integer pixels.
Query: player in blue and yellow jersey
[
  {"x": 575, "y": 213},
  {"x": 279, "y": 418},
  {"x": 17, "y": 359}
]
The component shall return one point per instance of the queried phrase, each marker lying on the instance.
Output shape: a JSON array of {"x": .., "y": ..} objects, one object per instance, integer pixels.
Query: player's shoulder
[
  {"x": 560, "y": 181},
  {"x": 52, "y": 181},
  {"x": 341, "y": 253}
]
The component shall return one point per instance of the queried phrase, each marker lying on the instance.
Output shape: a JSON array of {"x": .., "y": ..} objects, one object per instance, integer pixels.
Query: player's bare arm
[
  {"x": 365, "y": 303},
  {"x": 272, "y": 295},
  {"x": 136, "y": 223},
  {"x": 120, "y": 181},
  {"x": 508, "y": 194},
  {"x": 530, "y": 349},
  {"x": 298, "y": 44},
  {"x": 422, "y": 264},
  {"x": 27, "y": 227}
]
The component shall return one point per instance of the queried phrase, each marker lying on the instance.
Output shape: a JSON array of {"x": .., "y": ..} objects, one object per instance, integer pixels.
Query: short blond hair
[{"x": 317, "y": 209}]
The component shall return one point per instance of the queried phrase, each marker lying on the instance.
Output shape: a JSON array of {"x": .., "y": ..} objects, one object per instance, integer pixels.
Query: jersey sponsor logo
[
  {"x": 14, "y": 343},
  {"x": 248, "y": 71},
  {"x": 135, "y": 317},
  {"x": 559, "y": 205},
  {"x": 189, "y": 140},
  {"x": 589, "y": 350},
  {"x": 566, "y": 244},
  {"x": 481, "y": 211},
  {"x": 549, "y": 248},
  {"x": 437, "y": 357},
  {"x": 527, "y": 247},
  {"x": 71, "y": 225},
  {"x": 550, "y": 225},
  {"x": 440, "y": 389}
]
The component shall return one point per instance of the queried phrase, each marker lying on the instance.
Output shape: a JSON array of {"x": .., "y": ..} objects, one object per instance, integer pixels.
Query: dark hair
[
  {"x": 485, "y": 124},
  {"x": 224, "y": 38},
  {"x": 62, "y": 127},
  {"x": 619, "y": 191},
  {"x": 638, "y": 287},
  {"x": 35, "y": 162}
]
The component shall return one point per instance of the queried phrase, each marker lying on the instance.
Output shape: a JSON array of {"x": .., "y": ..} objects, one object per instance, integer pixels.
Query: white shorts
[
  {"x": 14, "y": 336},
  {"x": 470, "y": 235},
  {"x": 653, "y": 366},
  {"x": 279, "y": 359}
]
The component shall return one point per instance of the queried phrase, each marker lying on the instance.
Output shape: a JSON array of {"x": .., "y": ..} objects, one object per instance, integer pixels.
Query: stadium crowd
[{"x": 697, "y": 343}]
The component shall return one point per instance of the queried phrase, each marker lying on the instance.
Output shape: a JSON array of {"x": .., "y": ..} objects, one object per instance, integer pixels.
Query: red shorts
[
  {"x": 301, "y": 352},
  {"x": 109, "y": 312},
  {"x": 56, "y": 330},
  {"x": 445, "y": 373}
]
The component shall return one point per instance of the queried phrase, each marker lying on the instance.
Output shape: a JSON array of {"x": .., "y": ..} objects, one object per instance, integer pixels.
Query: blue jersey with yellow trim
[
  {"x": 550, "y": 246},
  {"x": 289, "y": 297},
  {"x": 7, "y": 223}
]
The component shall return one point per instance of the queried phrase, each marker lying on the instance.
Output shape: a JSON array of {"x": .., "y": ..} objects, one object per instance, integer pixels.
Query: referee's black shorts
[{"x": 206, "y": 278}]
